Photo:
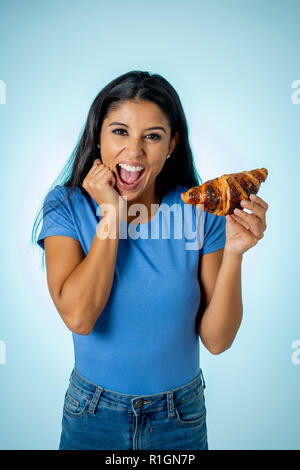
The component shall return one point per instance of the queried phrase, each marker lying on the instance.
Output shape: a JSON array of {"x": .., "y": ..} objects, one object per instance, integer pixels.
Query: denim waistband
[{"x": 93, "y": 392}]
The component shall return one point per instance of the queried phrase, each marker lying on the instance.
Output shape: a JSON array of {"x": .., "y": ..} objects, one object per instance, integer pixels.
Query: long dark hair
[{"x": 178, "y": 170}]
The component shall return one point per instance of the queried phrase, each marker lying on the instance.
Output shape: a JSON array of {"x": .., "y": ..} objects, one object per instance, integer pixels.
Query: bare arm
[
  {"x": 220, "y": 276},
  {"x": 221, "y": 306},
  {"x": 80, "y": 285}
]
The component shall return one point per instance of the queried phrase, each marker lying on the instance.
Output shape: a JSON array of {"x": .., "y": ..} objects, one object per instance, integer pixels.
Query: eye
[
  {"x": 157, "y": 137},
  {"x": 116, "y": 131}
]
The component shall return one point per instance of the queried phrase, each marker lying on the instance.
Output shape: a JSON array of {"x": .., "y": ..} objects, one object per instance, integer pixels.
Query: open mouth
[{"x": 128, "y": 179}]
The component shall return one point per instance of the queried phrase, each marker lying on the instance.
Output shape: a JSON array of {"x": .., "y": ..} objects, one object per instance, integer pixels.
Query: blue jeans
[{"x": 96, "y": 418}]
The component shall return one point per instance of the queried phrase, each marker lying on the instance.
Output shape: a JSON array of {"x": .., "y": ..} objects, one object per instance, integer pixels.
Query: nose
[{"x": 134, "y": 147}]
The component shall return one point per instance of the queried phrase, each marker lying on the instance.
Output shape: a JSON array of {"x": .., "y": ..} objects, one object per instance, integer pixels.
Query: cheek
[
  {"x": 155, "y": 169},
  {"x": 157, "y": 164},
  {"x": 109, "y": 144},
  {"x": 110, "y": 148}
]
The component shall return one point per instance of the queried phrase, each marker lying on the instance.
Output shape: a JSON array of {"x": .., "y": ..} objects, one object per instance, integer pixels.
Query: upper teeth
[{"x": 130, "y": 168}]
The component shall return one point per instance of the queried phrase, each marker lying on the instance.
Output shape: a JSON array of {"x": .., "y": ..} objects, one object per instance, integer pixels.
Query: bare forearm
[
  {"x": 222, "y": 318},
  {"x": 86, "y": 291}
]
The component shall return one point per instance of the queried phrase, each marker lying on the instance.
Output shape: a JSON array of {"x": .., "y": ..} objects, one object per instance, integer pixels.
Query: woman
[{"x": 137, "y": 303}]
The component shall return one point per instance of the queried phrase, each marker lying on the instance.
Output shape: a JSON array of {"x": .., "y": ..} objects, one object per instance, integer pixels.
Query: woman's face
[{"x": 126, "y": 138}]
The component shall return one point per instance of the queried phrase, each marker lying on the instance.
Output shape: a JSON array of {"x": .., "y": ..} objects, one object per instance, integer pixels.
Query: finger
[
  {"x": 254, "y": 207},
  {"x": 100, "y": 167},
  {"x": 97, "y": 171},
  {"x": 250, "y": 222},
  {"x": 94, "y": 167},
  {"x": 259, "y": 211},
  {"x": 259, "y": 201},
  {"x": 239, "y": 225},
  {"x": 96, "y": 162},
  {"x": 240, "y": 221},
  {"x": 103, "y": 170},
  {"x": 94, "y": 171}
]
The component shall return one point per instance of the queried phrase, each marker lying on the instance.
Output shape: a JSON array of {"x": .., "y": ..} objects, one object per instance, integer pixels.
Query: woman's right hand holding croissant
[{"x": 243, "y": 229}]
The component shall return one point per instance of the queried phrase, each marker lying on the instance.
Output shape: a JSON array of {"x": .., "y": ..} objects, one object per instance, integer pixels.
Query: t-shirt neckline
[{"x": 153, "y": 218}]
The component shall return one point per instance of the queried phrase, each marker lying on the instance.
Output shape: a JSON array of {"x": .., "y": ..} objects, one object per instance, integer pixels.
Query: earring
[
  {"x": 98, "y": 146},
  {"x": 168, "y": 156}
]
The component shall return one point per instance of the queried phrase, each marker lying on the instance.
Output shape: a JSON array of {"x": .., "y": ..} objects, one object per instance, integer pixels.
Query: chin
[{"x": 130, "y": 195}]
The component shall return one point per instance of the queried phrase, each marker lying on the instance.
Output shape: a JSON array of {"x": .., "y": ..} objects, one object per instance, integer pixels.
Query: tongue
[{"x": 129, "y": 177}]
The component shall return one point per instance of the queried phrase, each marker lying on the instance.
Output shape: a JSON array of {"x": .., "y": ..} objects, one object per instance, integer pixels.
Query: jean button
[{"x": 139, "y": 403}]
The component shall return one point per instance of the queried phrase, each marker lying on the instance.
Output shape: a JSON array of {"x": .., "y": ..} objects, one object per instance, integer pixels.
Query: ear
[{"x": 173, "y": 142}]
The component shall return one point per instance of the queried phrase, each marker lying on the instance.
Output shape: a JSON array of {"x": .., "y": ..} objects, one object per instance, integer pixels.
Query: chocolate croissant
[{"x": 222, "y": 195}]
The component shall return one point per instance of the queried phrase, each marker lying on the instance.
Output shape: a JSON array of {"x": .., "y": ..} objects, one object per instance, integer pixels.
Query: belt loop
[
  {"x": 95, "y": 400},
  {"x": 170, "y": 401},
  {"x": 203, "y": 381}
]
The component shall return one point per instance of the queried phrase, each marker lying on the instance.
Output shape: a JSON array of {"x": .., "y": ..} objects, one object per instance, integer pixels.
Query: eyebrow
[{"x": 149, "y": 128}]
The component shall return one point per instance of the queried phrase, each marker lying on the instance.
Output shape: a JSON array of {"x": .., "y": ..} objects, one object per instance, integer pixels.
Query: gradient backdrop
[{"x": 235, "y": 65}]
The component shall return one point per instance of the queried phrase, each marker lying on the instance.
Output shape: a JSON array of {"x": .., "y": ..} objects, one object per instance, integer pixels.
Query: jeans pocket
[
  {"x": 76, "y": 402},
  {"x": 191, "y": 412}
]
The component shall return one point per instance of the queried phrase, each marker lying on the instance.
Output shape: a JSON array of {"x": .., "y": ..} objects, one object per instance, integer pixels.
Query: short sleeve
[
  {"x": 57, "y": 217},
  {"x": 214, "y": 233}
]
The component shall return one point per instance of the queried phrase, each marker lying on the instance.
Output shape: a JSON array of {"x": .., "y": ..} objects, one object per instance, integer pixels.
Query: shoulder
[
  {"x": 56, "y": 193},
  {"x": 58, "y": 217},
  {"x": 64, "y": 194},
  {"x": 174, "y": 194},
  {"x": 64, "y": 200}
]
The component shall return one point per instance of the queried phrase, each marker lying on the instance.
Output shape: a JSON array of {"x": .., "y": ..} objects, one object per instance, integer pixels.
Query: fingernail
[{"x": 237, "y": 211}]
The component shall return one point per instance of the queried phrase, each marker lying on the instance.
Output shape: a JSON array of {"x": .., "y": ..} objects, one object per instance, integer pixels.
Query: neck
[{"x": 147, "y": 199}]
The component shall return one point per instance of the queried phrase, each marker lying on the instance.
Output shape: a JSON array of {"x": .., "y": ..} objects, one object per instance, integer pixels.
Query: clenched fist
[{"x": 99, "y": 183}]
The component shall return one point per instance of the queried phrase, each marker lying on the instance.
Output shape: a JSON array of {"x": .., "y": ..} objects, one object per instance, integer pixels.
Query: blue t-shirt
[{"x": 145, "y": 341}]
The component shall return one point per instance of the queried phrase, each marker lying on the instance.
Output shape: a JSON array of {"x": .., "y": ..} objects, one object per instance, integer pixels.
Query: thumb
[{"x": 230, "y": 219}]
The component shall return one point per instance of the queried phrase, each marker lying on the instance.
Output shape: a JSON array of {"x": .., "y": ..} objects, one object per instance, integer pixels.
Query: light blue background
[{"x": 232, "y": 63}]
